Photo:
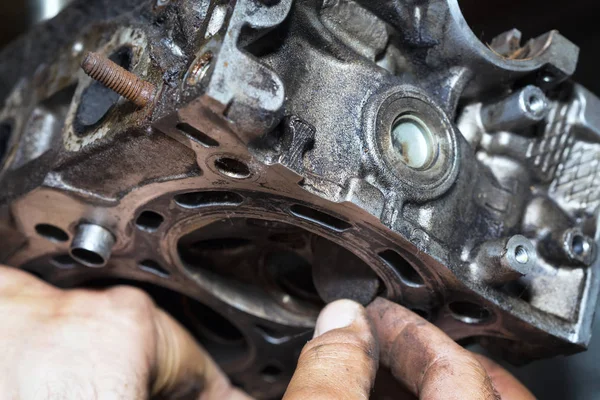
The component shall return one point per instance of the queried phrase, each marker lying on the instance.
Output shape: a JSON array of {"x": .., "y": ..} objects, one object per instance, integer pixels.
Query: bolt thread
[{"x": 118, "y": 79}]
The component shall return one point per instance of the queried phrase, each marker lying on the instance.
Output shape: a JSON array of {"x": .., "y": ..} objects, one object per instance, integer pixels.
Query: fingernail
[{"x": 339, "y": 314}]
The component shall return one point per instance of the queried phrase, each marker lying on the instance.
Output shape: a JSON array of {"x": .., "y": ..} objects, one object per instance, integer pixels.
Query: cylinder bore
[{"x": 92, "y": 245}]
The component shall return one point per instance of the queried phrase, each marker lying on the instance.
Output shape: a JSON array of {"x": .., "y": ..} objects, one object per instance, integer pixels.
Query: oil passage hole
[
  {"x": 407, "y": 273},
  {"x": 319, "y": 217},
  {"x": 51, "y": 232},
  {"x": 469, "y": 313},
  {"x": 231, "y": 167},
  {"x": 149, "y": 221},
  {"x": 204, "y": 199}
]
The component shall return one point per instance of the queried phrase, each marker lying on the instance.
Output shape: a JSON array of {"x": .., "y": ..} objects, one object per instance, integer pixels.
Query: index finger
[{"x": 426, "y": 360}]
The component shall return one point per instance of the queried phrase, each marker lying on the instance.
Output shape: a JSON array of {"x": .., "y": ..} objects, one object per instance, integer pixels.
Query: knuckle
[{"x": 340, "y": 347}]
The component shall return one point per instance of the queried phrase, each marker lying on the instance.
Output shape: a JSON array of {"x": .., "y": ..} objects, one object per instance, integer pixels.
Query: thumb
[
  {"x": 341, "y": 360},
  {"x": 182, "y": 368}
]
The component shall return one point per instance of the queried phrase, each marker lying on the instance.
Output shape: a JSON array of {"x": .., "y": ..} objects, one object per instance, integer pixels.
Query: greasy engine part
[{"x": 298, "y": 152}]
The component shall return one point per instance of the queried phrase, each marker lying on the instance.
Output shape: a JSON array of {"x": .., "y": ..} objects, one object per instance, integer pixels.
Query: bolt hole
[
  {"x": 149, "y": 221},
  {"x": 233, "y": 168},
  {"x": 580, "y": 245},
  {"x": 469, "y": 313},
  {"x": 407, "y": 273},
  {"x": 87, "y": 257},
  {"x": 154, "y": 268},
  {"x": 64, "y": 261},
  {"x": 51, "y": 232},
  {"x": 521, "y": 255},
  {"x": 271, "y": 373},
  {"x": 536, "y": 105}
]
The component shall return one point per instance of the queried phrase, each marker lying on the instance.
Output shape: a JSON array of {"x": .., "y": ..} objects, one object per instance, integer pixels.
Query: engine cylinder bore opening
[
  {"x": 220, "y": 337},
  {"x": 51, "y": 232},
  {"x": 292, "y": 274},
  {"x": 6, "y": 130},
  {"x": 97, "y": 100},
  {"x": 241, "y": 251},
  {"x": 469, "y": 313}
]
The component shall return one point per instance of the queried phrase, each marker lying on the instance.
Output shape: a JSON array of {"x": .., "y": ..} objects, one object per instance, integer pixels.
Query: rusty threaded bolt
[{"x": 118, "y": 79}]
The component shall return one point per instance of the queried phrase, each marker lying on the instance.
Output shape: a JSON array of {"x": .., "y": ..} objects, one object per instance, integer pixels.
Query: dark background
[{"x": 576, "y": 377}]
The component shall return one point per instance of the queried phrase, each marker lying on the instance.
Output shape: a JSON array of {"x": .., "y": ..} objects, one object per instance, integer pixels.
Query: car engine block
[{"x": 271, "y": 156}]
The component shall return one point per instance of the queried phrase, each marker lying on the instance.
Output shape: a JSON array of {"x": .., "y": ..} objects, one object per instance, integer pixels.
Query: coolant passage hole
[
  {"x": 149, "y": 221},
  {"x": 407, "y": 272},
  {"x": 51, "y": 232},
  {"x": 97, "y": 100},
  {"x": 469, "y": 313}
]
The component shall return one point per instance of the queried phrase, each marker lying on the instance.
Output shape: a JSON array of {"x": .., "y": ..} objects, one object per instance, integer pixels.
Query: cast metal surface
[{"x": 299, "y": 152}]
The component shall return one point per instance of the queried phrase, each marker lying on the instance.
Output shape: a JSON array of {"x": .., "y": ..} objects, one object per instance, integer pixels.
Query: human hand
[
  {"x": 116, "y": 343},
  {"x": 341, "y": 363},
  {"x": 98, "y": 345}
]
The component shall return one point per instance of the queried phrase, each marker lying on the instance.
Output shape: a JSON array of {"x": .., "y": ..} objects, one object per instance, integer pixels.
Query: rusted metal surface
[{"x": 117, "y": 78}]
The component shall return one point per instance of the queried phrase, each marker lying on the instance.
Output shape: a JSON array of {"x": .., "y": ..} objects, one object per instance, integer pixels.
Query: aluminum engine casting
[{"x": 294, "y": 153}]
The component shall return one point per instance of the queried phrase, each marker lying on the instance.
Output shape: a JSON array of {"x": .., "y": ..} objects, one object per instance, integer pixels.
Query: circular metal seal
[{"x": 417, "y": 143}]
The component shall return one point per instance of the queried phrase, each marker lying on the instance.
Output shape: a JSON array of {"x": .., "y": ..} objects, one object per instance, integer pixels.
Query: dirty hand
[
  {"x": 116, "y": 343},
  {"x": 341, "y": 361}
]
